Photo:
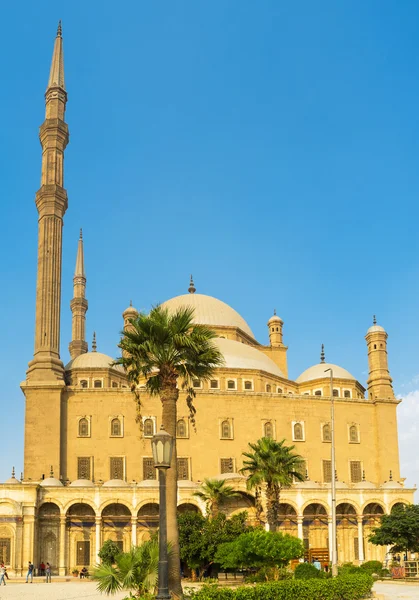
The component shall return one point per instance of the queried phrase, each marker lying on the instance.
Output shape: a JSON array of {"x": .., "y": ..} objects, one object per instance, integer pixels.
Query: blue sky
[{"x": 269, "y": 148}]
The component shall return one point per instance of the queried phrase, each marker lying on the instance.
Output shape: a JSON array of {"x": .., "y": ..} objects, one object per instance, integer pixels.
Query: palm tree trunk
[
  {"x": 272, "y": 505},
  {"x": 169, "y": 396}
]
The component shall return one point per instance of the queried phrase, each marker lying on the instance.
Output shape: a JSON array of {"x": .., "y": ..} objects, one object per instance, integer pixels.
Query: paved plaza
[
  {"x": 397, "y": 591},
  {"x": 72, "y": 590}
]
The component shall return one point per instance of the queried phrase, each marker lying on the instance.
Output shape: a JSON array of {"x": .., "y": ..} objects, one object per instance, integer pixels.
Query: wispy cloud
[{"x": 408, "y": 422}]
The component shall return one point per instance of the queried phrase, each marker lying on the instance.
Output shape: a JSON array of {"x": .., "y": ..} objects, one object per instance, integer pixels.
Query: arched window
[
  {"x": 148, "y": 428},
  {"x": 268, "y": 388},
  {"x": 336, "y": 393},
  {"x": 84, "y": 383},
  {"x": 114, "y": 384},
  {"x": 196, "y": 383},
  {"x": 181, "y": 429},
  {"x": 277, "y": 329},
  {"x": 214, "y": 384},
  {"x": 84, "y": 428},
  {"x": 318, "y": 393},
  {"x": 116, "y": 427},
  {"x": 268, "y": 430},
  {"x": 231, "y": 384},
  {"x": 225, "y": 430},
  {"x": 97, "y": 383},
  {"x": 248, "y": 385},
  {"x": 279, "y": 390},
  {"x": 327, "y": 433},
  {"x": 353, "y": 433},
  {"x": 298, "y": 431},
  {"x": 347, "y": 394}
]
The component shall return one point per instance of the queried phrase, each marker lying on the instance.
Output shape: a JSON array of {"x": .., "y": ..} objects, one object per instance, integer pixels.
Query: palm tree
[
  {"x": 166, "y": 352},
  {"x": 214, "y": 493},
  {"x": 272, "y": 465},
  {"x": 135, "y": 570}
]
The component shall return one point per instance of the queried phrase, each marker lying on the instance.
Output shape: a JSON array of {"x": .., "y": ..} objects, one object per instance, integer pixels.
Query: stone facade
[{"x": 88, "y": 474}]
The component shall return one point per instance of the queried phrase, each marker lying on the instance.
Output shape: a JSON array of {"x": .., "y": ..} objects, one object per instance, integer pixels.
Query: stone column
[
  {"x": 98, "y": 522},
  {"x": 360, "y": 540},
  {"x": 300, "y": 528},
  {"x": 62, "y": 565},
  {"x": 133, "y": 531}
]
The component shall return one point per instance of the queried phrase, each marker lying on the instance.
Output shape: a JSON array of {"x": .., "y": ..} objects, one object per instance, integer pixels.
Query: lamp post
[
  {"x": 162, "y": 447},
  {"x": 333, "y": 468}
]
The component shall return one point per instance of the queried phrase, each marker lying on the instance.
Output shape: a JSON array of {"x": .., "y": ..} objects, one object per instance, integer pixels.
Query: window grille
[
  {"x": 327, "y": 471},
  {"x": 353, "y": 433},
  {"x": 84, "y": 428},
  {"x": 298, "y": 431},
  {"x": 84, "y": 383},
  {"x": 279, "y": 390},
  {"x": 83, "y": 467},
  {"x": 148, "y": 428},
  {"x": 98, "y": 383},
  {"x": 149, "y": 472},
  {"x": 214, "y": 384},
  {"x": 196, "y": 383},
  {"x": 327, "y": 433},
  {"x": 182, "y": 468},
  {"x": 181, "y": 429},
  {"x": 356, "y": 471},
  {"x": 114, "y": 384},
  {"x": 268, "y": 388},
  {"x": 231, "y": 385},
  {"x": 268, "y": 430},
  {"x": 248, "y": 385},
  {"x": 225, "y": 430},
  {"x": 227, "y": 465},
  {"x": 335, "y": 393},
  {"x": 5, "y": 550},
  {"x": 318, "y": 393},
  {"x": 116, "y": 467},
  {"x": 347, "y": 394},
  {"x": 116, "y": 429},
  {"x": 83, "y": 554},
  {"x": 302, "y": 469}
]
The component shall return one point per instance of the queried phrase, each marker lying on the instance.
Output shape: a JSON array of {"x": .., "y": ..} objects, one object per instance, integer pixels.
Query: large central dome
[{"x": 209, "y": 311}]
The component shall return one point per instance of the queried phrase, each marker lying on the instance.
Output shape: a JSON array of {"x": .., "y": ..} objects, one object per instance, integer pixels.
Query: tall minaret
[
  {"x": 78, "y": 305},
  {"x": 379, "y": 380},
  {"x": 51, "y": 202}
]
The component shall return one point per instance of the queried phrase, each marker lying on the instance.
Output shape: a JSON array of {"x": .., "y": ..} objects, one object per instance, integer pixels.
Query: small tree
[
  {"x": 400, "y": 529},
  {"x": 258, "y": 549},
  {"x": 109, "y": 552}
]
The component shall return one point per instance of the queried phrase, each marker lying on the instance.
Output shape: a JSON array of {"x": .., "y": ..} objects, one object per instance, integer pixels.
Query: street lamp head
[{"x": 162, "y": 447}]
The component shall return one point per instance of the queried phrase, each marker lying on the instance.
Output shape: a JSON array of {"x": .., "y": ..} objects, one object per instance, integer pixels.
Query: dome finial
[
  {"x": 13, "y": 472},
  {"x": 391, "y": 475},
  {"x": 51, "y": 472},
  {"x": 322, "y": 356},
  {"x": 374, "y": 320},
  {"x": 94, "y": 347},
  {"x": 81, "y": 233},
  {"x": 274, "y": 312},
  {"x": 130, "y": 302},
  {"x": 191, "y": 288}
]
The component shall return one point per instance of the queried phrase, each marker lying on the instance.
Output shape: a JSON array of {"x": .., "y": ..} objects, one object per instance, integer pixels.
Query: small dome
[
  {"x": 231, "y": 476},
  {"x": 391, "y": 484},
  {"x": 365, "y": 485},
  {"x": 51, "y": 482},
  {"x": 115, "y": 483},
  {"x": 209, "y": 311},
  {"x": 82, "y": 483},
  {"x": 242, "y": 356},
  {"x": 187, "y": 483},
  {"x": 148, "y": 483},
  {"x": 308, "y": 484},
  {"x": 275, "y": 319},
  {"x": 318, "y": 372},
  {"x": 92, "y": 360},
  {"x": 12, "y": 481},
  {"x": 130, "y": 311},
  {"x": 341, "y": 484},
  {"x": 376, "y": 329}
]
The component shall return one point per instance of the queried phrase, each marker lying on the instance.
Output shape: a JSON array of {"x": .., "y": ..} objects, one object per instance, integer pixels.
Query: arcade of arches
[{"x": 68, "y": 532}]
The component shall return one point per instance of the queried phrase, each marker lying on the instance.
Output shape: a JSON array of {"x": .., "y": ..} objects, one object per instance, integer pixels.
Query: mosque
[{"x": 88, "y": 473}]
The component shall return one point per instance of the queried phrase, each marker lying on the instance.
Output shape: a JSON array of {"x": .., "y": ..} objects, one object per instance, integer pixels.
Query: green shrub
[
  {"x": 372, "y": 566},
  {"x": 307, "y": 571},
  {"x": 349, "y": 569},
  {"x": 268, "y": 574},
  {"x": 346, "y": 587}
]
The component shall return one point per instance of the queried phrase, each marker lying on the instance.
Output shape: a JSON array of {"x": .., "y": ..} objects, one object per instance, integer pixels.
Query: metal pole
[
  {"x": 163, "y": 588},
  {"x": 333, "y": 461}
]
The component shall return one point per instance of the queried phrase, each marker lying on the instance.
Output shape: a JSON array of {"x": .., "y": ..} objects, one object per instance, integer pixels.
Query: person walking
[
  {"x": 2, "y": 573},
  {"x": 30, "y": 572},
  {"x": 48, "y": 573}
]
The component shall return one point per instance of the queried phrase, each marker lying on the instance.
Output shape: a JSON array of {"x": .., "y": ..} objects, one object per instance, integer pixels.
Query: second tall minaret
[{"x": 78, "y": 305}]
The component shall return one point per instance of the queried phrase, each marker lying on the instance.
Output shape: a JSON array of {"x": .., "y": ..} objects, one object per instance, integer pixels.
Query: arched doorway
[
  {"x": 81, "y": 535},
  {"x": 116, "y": 525},
  {"x": 49, "y": 535},
  {"x": 371, "y": 517},
  {"x": 147, "y": 521},
  {"x": 347, "y": 533},
  {"x": 287, "y": 519},
  {"x": 187, "y": 507},
  {"x": 315, "y": 530},
  {"x": 240, "y": 503}
]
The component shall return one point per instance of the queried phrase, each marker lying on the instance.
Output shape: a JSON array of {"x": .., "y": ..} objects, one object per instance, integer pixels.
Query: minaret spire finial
[
  {"x": 81, "y": 234},
  {"x": 59, "y": 29},
  {"x": 275, "y": 312},
  {"x": 56, "y": 74},
  {"x": 191, "y": 288},
  {"x": 374, "y": 320},
  {"x": 94, "y": 347},
  {"x": 322, "y": 356},
  {"x": 51, "y": 472},
  {"x": 13, "y": 472}
]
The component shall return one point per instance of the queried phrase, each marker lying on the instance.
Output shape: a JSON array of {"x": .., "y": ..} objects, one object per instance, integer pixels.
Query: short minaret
[
  {"x": 275, "y": 324},
  {"x": 128, "y": 315},
  {"x": 78, "y": 305},
  {"x": 51, "y": 203},
  {"x": 379, "y": 380}
]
